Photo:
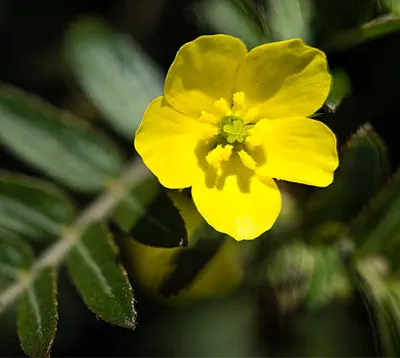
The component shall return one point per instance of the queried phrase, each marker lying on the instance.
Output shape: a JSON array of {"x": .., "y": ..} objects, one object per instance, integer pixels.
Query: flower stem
[{"x": 98, "y": 210}]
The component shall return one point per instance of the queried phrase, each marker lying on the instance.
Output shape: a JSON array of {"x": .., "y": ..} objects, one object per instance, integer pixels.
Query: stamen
[
  {"x": 238, "y": 102},
  {"x": 218, "y": 155},
  {"x": 209, "y": 132},
  {"x": 247, "y": 160},
  {"x": 207, "y": 118},
  {"x": 222, "y": 107},
  {"x": 251, "y": 115}
]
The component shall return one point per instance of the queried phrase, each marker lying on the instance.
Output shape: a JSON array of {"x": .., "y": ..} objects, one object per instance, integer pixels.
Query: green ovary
[{"x": 232, "y": 129}]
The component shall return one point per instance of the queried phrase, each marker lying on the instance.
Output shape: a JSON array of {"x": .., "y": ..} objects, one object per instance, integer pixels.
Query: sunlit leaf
[
  {"x": 56, "y": 142},
  {"x": 100, "y": 279},
  {"x": 288, "y": 19},
  {"x": 232, "y": 18},
  {"x": 114, "y": 72},
  {"x": 34, "y": 208},
  {"x": 37, "y": 315},
  {"x": 391, "y": 5}
]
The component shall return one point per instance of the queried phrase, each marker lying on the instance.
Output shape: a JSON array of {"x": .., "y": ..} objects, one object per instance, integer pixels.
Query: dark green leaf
[
  {"x": 33, "y": 208},
  {"x": 330, "y": 280},
  {"x": 100, "y": 279},
  {"x": 223, "y": 327},
  {"x": 55, "y": 142},
  {"x": 114, "y": 72},
  {"x": 133, "y": 207},
  {"x": 333, "y": 17},
  {"x": 377, "y": 229},
  {"x": 341, "y": 87},
  {"x": 149, "y": 216},
  {"x": 363, "y": 157},
  {"x": 376, "y": 28},
  {"x": 16, "y": 256},
  {"x": 37, "y": 315},
  {"x": 331, "y": 331},
  {"x": 289, "y": 271}
]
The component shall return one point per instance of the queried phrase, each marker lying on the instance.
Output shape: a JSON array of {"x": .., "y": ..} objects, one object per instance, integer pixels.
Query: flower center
[{"x": 232, "y": 129}]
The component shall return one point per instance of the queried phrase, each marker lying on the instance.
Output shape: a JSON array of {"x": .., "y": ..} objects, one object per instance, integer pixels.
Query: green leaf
[
  {"x": 56, "y": 142},
  {"x": 339, "y": 16},
  {"x": 37, "y": 315},
  {"x": 133, "y": 207},
  {"x": 100, "y": 279},
  {"x": 382, "y": 296},
  {"x": 222, "y": 327},
  {"x": 33, "y": 208},
  {"x": 150, "y": 217},
  {"x": 288, "y": 19},
  {"x": 16, "y": 257},
  {"x": 232, "y": 18},
  {"x": 341, "y": 87},
  {"x": 330, "y": 280},
  {"x": 377, "y": 228},
  {"x": 114, "y": 72},
  {"x": 365, "y": 157},
  {"x": 392, "y": 6},
  {"x": 378, "y": 27},
  {"x": 331, "y": 331},
  {"x": 289, "y": 272},
  {"x": 388, "y": 318}
]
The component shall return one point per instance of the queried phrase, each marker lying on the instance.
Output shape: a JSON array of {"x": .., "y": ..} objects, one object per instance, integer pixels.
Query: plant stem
[{"x": 98, "y": 210}]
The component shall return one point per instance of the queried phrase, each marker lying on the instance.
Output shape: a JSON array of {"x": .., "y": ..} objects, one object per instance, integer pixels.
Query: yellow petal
[
  {"x": 203, "y": 72},
  {"x": 299, "y": 150},
  {"x": 239, "y": 205},
  {"x": 284, "y": 79},
  {"x": 167, "y": 141}
]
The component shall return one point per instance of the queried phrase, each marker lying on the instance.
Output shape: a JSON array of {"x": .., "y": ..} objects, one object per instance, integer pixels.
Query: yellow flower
[{"x": 232, "y": 121}]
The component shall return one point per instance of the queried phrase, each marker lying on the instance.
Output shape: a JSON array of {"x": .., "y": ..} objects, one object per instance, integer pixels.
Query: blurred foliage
[{"x": 76, "y": 79}]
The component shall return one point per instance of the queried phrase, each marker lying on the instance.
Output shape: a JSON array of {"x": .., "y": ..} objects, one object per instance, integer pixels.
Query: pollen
[
  {"x": 247, "y": 160},
  {"x": 251, "y": 115},
  {"x": 218, "y": 155},
  {"x": 238, "y": 102},
  {"x": 207, "y": 118},
  {"x": 222, "y": 107}
]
